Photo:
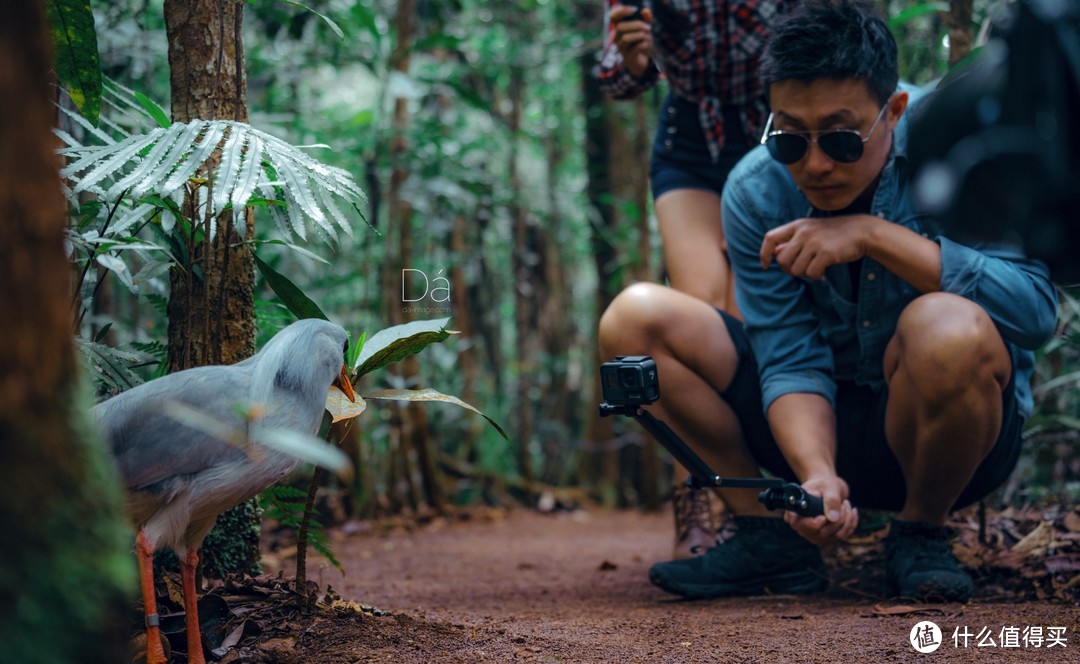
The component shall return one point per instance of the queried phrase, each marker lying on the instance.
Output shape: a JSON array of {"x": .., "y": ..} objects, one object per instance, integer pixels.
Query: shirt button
[
  {"x": 671, "y": 130},
  {"x": 881, "y": 213},
  {"x": 671, "y": 110},
  {"x": 871, "y": 276},
  {"x": 866, "y": 323},
  {"x": 669, "y": 144}
]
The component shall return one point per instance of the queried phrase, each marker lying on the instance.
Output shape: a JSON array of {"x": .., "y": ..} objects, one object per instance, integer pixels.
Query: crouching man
[{"x": 881, "y": 364}]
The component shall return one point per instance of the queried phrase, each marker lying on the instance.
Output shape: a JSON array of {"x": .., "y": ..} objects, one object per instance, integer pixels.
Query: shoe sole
[{"x": 792, "y": 583}]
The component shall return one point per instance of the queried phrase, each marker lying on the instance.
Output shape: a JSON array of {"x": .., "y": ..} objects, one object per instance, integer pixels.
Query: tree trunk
[
  {"x": 65, "y": 573},
  {"x": 211, "y": 306},
  {"x": 527, "y": 288},
  {"x": 961, "y": 30}
]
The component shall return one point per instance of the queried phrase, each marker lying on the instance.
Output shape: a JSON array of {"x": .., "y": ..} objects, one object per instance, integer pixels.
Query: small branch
[{"x": 302, "y": 539}]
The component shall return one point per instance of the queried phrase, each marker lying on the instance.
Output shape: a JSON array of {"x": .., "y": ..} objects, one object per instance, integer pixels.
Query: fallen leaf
[
  {"x": 1037, "y": 541},
  {"x": 1072, "y": 522},
  {"x": 903, "y": 610}
]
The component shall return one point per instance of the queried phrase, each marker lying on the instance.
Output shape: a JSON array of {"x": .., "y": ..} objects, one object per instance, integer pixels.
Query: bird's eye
[{"x": 345, "y": 347}]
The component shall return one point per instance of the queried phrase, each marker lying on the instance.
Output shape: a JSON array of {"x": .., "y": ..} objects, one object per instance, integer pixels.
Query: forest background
[{"x": 504, "y": 192}]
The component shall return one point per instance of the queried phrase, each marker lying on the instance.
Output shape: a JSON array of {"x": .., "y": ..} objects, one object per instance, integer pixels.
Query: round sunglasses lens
[
  {"x": 842, "y": 146},
  {"x": 787, "y": 148}
]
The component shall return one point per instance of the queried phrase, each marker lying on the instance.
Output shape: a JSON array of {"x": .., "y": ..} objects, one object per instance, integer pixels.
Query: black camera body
[{"x": 630, "y": 380}]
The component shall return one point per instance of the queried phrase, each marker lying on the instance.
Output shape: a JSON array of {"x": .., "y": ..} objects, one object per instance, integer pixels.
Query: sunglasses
[{"x": 840, "y": 145}]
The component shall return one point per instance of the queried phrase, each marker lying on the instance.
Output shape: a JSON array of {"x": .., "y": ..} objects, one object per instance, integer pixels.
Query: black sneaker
[
  {"x": 921, "y": 564},
  {"x": 764, "y": 557}
]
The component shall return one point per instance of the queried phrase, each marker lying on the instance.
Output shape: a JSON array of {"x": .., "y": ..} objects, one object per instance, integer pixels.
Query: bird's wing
[{"x": 151, "y": 446}]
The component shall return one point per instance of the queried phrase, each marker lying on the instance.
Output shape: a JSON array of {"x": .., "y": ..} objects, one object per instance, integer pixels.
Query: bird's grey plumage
[{"x": 180, "y": 479}]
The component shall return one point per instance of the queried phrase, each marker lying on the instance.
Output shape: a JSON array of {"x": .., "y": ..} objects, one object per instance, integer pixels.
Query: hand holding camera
[{"x": 633, "y": 36}]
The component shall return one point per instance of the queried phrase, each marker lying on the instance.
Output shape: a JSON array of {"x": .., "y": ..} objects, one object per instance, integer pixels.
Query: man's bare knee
[{"x": 946, "y": 342}]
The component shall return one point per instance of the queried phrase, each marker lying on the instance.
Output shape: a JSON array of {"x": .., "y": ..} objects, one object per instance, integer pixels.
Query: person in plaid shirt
[{"x": 713, "y": 114}]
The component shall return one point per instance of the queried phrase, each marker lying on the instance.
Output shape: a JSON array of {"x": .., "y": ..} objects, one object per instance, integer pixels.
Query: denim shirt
[{"x": 807, "y": 334}]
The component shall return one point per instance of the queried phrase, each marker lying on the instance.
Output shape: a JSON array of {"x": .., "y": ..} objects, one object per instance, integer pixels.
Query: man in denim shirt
[{"x": 881, "y": 364}]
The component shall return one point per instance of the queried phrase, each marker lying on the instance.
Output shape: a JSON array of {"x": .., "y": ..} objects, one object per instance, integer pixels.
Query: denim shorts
[
  {"x": 863, "y": 457},
  {"x": 680, "y": 155}
]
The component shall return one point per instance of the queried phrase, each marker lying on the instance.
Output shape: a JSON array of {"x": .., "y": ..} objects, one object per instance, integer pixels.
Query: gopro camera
[{"x": 630, "y": 380}]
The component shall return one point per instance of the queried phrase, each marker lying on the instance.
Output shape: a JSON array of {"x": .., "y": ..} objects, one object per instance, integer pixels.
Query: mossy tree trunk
[{"x": 65, "y": 568}]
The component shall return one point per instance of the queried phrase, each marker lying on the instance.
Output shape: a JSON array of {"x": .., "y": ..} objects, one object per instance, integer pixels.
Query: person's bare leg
[
  {"x": 696, "y": 360},
  {"x": 693, "y": 240},
  {"x": 946, "y": 367}
]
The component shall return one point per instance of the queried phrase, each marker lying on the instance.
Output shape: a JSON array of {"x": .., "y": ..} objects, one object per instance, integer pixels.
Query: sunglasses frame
[{"x": 814, "y": 137}]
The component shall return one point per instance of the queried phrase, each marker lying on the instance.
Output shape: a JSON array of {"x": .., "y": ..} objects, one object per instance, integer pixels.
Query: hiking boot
[
  {"x": 764, "y": 557},
  {"x": 694, "y": 531},
  {"x": 921, "y": 564}
]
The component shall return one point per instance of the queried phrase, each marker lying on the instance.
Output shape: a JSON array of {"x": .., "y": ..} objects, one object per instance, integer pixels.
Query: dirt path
[{"x": 525, "y": 587}]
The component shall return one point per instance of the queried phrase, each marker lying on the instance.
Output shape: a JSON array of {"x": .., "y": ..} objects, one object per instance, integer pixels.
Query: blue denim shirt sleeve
[
  {"x": 1016, "y": 292},
  {"x": 783, "y": 329}
]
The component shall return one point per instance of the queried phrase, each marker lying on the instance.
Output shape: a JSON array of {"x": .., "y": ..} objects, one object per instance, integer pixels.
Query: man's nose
[{"x": 817, "y": 162}]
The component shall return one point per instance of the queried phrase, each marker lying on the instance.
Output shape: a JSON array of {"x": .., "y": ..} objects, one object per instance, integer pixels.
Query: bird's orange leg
[
  {"x": 155, "y": 654},
  {"x": 191, "y": 607}
]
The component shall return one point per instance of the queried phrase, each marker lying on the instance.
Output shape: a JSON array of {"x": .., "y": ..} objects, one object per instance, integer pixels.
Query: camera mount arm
[{"x": 776, "y": 493}]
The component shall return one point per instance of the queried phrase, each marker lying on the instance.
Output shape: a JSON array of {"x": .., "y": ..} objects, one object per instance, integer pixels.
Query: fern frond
[{"x": 162, "y": 161}]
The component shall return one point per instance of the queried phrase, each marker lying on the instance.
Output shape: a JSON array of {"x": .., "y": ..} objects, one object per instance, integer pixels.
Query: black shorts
[
  {"x": 680, "y": 154},
  {"x": 863, "y": 457}
]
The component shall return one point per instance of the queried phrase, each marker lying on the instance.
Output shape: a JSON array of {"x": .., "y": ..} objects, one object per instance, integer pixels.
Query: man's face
[{"x": 835, "y": 104}]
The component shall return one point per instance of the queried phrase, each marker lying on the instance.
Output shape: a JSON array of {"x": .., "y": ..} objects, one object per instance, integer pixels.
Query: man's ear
[{"x": 897, "y": 105}]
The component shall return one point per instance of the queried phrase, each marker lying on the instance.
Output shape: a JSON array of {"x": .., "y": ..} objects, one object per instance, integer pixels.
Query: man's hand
[
  {"x": 840, "y": 518},
  {"x": 633, "y": 38},
  {"x": 806, "y": 247}
]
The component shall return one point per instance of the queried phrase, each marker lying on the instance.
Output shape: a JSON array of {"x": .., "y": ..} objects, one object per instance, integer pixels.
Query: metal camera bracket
[{"x": 775, "y": 494}]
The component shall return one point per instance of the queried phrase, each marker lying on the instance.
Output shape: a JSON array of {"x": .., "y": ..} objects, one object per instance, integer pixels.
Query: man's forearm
[
  {"x": 804, "y": 426},
  {"x": 905, "y": 253}
]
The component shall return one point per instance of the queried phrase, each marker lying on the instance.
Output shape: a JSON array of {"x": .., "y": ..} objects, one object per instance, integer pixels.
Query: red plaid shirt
[{"x": 708, "y": 51}]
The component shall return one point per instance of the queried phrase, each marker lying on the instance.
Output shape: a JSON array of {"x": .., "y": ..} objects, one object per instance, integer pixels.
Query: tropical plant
[{"x": 385, "y": 347}]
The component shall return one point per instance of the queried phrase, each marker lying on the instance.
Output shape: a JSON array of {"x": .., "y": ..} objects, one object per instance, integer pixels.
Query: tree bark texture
[
  {"x": 211, "y": 306},
  {"x": 65, "y": 571}
]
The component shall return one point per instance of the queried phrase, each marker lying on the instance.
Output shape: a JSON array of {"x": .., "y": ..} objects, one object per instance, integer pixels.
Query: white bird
[{"x": 179, "y": 479}]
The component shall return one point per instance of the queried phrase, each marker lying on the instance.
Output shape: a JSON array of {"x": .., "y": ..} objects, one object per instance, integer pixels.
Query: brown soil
[{"x": 572, "y": 587}]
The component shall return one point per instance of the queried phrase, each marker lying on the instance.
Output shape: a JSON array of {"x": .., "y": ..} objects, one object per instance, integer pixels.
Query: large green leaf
[
  {"x": 299, "y": 304},
  {"x": 432, "y": 395},
  {"x": 77, "y": 64},
  {"x": 398, "y": 342}
]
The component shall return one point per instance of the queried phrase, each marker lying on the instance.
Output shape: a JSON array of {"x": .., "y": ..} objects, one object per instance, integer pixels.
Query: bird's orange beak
[{"x": 345, "y": 384}]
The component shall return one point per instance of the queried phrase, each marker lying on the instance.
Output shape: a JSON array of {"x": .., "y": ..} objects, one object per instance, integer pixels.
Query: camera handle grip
[{"x": 792, "y": 497}]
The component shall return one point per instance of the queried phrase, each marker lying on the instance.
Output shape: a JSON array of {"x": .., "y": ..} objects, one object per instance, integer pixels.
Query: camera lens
[{"x": 630, "y": 377}]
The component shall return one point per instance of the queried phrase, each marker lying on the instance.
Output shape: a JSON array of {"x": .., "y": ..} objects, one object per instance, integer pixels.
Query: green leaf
[
  {"x": 398, "y": 342},
  {"x": 154, "y": 110},
  {"x": 77, "y": 64},
  {"x": 332, "y": 24},
  {"x": 299, "y": 304},
  {"x": 432, "y": 395},
  {"x": 355, "y": 348},
  {"x": 319, "y": 545},
  {"x": 918, "y": 10}
]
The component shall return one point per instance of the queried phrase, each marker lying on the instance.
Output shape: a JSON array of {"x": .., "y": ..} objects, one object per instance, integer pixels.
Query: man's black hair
[{"x": 835, "y": 39}]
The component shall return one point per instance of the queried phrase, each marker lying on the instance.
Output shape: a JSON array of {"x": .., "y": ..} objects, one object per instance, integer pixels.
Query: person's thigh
[
  {"x": 866, "y": 462},
  {"x": 693, "y": 241}
]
